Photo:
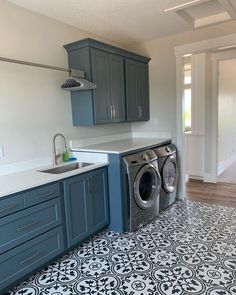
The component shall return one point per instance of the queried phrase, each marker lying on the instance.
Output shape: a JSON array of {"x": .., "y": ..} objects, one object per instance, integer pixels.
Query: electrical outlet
[{"x": 1, "y": 151}]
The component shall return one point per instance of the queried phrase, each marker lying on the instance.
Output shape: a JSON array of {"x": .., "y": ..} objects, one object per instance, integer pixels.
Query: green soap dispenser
[{"x": 65, "y": 155}]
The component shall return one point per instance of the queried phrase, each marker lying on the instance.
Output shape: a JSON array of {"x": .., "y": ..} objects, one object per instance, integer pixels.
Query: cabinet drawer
[
  {"x": 23, "y": 259},
  {"x": 11, "y": 205},
  {"x": 41, "y": 194},
  {"x": 26, "y": 224}
]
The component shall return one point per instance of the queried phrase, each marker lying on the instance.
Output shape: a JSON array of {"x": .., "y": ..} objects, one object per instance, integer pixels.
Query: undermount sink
[{"x": 66, "y": 168}]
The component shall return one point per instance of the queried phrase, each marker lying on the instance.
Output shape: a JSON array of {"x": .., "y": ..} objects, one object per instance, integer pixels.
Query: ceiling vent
[{"x": 201, "y": 13}]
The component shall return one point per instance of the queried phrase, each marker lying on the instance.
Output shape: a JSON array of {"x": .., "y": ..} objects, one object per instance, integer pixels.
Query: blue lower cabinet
[
  {"x": 86, "y": 205},
  {"x": 11, "y": 205},
  {"x": 99, "y": 213},
  {"x": 41, "y": 194},
  {"x": 76, "y": 209},
  {"x": 29, "y": 223},
  {"x": 34, "y": 230},
  {"x": 24, "y": 259}
]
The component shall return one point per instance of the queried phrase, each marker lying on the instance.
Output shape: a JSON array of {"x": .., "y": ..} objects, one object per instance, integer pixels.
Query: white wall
[
  {"x": 162, "y": 72},
  {"x": 32, "y": 106},
  {"x": 227, "y": 113}
]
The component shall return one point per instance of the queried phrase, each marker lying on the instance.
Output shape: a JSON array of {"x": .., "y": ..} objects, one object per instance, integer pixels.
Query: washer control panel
[
  {"x": 141, "y": 158},
  {"x": 145, "y": 157}
]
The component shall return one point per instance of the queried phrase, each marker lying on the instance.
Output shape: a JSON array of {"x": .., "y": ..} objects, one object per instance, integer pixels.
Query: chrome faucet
[{"x": 55, "y": 155}]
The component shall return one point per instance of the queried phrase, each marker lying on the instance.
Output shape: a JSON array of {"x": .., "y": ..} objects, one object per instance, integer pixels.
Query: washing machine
[
  {"x": 168, "y": 167},
  {"x": 143, "y": 187}
]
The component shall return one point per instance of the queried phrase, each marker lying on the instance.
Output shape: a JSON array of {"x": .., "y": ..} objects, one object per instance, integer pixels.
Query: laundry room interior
[{"x": 117, "y": 147}]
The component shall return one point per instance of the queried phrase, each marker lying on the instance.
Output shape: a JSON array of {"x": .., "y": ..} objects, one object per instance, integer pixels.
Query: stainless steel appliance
[
  {"x": 144, "y": 184},
  {"x": 168, "y": 167}
]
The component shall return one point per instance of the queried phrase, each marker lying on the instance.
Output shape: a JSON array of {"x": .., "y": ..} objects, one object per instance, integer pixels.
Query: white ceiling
[{"x": 125, "y": 21}]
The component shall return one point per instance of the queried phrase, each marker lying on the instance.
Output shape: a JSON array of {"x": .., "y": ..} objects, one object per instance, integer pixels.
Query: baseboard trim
[
  {"x": 222, "y": 166},
  {"x": 195, "y": 177},
  {"x": 208, "y": 177}
]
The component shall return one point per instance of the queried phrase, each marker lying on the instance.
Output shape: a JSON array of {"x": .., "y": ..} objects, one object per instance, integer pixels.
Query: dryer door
[
  {"x": 170, "y": 174},
  {"x": 147, "y": 186}
]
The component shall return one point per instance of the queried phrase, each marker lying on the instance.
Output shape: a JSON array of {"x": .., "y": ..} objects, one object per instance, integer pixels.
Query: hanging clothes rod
[{"x": 32, "y": 64}]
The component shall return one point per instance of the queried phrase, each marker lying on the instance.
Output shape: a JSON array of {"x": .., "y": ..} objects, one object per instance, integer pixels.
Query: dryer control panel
[{"x": 166, "y": 150}]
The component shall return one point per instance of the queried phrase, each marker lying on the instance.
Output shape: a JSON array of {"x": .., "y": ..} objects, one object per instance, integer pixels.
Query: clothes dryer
[{"x": 168, "y": 167}]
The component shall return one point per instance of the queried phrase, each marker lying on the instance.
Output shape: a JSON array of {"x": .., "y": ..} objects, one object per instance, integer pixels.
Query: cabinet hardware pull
[
  {"x": 91, "y": 179},
  {"x": 44, "y": 195},
  {"x": 8, "y": 208},
  {"x": 111, "y": 112},
  {"x": 91, "y": 184},
  {"x": 89, "y": 187},
  {"x": 29, "y": 258},
  {"x": 141, "y": 111},
  {"x": 27, "y": 226},
  {"x": 114, "y": 111}
]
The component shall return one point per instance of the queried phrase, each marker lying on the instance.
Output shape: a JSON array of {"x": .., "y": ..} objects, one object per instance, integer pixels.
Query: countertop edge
[
  {"x": 49, "y": 178},
  {"x": 145, "y": 146}
]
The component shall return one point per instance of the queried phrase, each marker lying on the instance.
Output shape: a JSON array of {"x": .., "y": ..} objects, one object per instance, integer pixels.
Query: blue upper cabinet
[
  {"x": 111, "y": 101},
  {"x": 109, "y": 97},
  {"x": 137, "y": 90},
  {"x": 117, "y": 88}
]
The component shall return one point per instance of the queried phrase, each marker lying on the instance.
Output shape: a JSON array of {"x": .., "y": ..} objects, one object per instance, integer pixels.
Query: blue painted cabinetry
[
  {"x": 35, "y": 228},
  {"x": 119, "y": 85},
  {"x": 109, "y": 97},
  {"x": 25, "y": 258},
  {"x": 31, "y": 232},
  {"x": 137, "y": 90},
  {"x": 86, "y": 205}
]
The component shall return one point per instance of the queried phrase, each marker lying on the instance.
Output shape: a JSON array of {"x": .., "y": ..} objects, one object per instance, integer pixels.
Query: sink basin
[{"x": 66, "y": 168}]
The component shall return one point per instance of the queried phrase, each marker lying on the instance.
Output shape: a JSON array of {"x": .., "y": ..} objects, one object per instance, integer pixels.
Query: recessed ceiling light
[
  {"x": 227, "y": 47},
  {"x": 180, "y": 6}
]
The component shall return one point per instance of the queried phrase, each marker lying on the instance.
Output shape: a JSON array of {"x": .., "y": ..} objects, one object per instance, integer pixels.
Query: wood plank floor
[{"x": 215, "y": 193}]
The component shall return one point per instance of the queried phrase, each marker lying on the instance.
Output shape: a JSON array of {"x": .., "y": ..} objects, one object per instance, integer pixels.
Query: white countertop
[
  {"x": 20, "y": 181},
  {"x": 94, "y": 150},
  {"x": 121, "y": 146}
]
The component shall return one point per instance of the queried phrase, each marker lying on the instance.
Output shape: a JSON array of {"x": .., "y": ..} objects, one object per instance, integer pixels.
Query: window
[{"x": 187, "y": 96}]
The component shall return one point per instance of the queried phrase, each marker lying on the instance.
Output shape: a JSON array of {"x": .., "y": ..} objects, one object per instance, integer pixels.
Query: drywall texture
[
  {"x": 227, "y": 112},
  {"x": 33, "y": 108},
  {"x": 162, "y": 72}
]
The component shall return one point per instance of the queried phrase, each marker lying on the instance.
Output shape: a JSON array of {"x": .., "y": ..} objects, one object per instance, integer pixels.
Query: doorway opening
[
  {"x": 227, "y": 121},
  {"x": 202, "y": 133}
]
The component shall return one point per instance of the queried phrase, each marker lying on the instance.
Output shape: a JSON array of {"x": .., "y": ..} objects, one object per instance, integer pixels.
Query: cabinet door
[
  {"x": 76, "y": 209},
  {"x": 143, "y": 91},
  {"x": 137, "y": 90},
  {"x": 100, "y": 76},
  {"x": 117, "y": 88},
  {"x": 131, "y": 90},
  {"x": 97, "y": 184}
]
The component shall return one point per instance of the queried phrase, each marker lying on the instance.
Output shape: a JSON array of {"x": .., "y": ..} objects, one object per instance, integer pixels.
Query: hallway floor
[
  {"x": 229, "y": 175},
  {"x": 214, "y": 193},
  {"x": 189, "y": 249}
]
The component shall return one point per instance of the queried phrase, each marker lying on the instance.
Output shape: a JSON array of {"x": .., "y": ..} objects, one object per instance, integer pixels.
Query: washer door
[
  {"x": 147, "y": 186},
  {"x": 170, "y": 174}
]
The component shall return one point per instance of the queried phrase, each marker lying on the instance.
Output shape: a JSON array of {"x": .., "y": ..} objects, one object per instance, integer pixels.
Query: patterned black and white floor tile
[{"x": 189, "y": 249}]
